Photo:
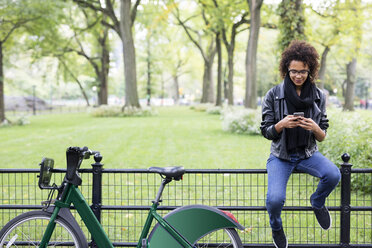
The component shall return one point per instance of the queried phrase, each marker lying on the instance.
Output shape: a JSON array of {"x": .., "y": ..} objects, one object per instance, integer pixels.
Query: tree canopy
[{"x": 196, "y": 50}]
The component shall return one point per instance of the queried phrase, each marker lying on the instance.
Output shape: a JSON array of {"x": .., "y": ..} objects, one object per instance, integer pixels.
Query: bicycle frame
[
  {"x": 69, "y": 193},
  {"x": 72, "y": 195}
]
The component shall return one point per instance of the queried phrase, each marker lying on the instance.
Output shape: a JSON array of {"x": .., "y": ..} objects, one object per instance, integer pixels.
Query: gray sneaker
[
  {"x": 279, "y": 239},
  {"x": 323, "y": 217}
]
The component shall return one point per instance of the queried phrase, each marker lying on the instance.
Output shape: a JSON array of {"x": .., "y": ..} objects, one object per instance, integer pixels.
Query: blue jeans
[{"x": 279, "y": 170}]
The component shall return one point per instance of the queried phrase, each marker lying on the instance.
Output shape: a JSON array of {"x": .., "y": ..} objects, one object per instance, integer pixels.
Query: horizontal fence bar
[
  {"x": 133, "y": 244},
  {"x": 169, "y": 208},
  {"x": 193, "y": 171}
]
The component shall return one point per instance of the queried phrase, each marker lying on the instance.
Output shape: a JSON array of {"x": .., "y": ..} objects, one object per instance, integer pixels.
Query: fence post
[
  {"x": 345, "y": 200},
  {"x": 97, "y": 190}
]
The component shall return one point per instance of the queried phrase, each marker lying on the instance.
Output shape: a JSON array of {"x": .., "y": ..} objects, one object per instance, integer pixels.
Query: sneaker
[
  {"x": 323, "y": 217},
  {"x": 279, "y": 239}
]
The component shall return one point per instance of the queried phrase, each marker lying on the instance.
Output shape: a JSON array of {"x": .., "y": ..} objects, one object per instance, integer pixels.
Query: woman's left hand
[
  {"x": 310, "y": 125},
  {"x": 307, "y": 124}
]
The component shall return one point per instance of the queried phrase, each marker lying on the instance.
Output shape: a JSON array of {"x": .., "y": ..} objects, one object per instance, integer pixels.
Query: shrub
[
  {"x": 19, "y": 121},
  {"x": 241, "y": 121},
  {"x": 215, "y": 110},
  {"x": 350, "y": 132},
  {"x": 202, "y": 107},
  {"x": 117, "y": 111}
]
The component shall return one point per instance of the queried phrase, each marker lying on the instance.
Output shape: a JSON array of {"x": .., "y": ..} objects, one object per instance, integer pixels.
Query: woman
[{"x": 294, "y": 118}]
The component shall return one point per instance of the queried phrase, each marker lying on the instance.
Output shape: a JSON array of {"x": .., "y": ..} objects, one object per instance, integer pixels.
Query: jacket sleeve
[
  {"x": 268, "y": 117},
  {"x": 323, "y": 124}
]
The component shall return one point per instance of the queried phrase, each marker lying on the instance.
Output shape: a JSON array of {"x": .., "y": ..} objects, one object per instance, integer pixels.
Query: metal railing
[{"x": 121, "y": 198}]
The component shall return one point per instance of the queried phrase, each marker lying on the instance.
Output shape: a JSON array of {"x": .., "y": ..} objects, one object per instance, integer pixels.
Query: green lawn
[{"x": 176, "y": 136}]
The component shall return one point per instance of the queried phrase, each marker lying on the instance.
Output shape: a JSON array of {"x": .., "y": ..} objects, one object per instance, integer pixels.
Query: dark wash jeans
[{"x": 279, "y": 170}]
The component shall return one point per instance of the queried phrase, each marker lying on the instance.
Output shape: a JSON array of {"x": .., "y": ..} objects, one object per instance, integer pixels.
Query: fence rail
[{"x": 121, "y": 198}]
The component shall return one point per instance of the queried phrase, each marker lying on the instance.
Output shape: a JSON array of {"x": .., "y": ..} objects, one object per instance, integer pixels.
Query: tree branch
[
  {"x": 189, "y": 35},
  {"x": 134, "y": 11}
]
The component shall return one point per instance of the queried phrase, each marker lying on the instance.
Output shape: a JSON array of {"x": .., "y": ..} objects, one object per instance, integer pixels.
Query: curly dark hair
[{"x": 300, "y": 51}]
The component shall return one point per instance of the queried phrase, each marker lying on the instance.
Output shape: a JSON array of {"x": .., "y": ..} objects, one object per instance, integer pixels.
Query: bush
[
  {"x": 241, "y": 121},
  {"x": 350, "y": 132},
  {"x": 116, "y": 111},
  {"x": 19, "y": 121},
  {"x": 202, "y": 107},
  {"x": 215, "y": 110}
]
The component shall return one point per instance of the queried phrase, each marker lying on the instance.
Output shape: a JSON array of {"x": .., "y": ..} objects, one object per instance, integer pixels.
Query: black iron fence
[{"x": 121, "y": 199}]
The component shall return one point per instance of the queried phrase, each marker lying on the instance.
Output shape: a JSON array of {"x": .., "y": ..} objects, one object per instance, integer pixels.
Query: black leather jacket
[{"x": 274, "y": 108}]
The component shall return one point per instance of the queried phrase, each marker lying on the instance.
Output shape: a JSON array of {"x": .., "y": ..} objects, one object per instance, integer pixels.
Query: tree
[
  {"x": 123, "y": 27},
  {"x": 207, "y": 53},
  {"x": 17, "y": 16},
  {"x": 90, "y": 40},
  {"x": 292, "y": 22},
  {"x": 251, "y": 54},
  {"x": 324, "y": 28},
  {"x": 356, "y": 18},
  {"x": 230, "y": 48},
  {"x": 227, "y": 17}
]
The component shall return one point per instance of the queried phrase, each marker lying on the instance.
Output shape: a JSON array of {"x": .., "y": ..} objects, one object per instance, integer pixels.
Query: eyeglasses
[{"x": 301, "y": 73}]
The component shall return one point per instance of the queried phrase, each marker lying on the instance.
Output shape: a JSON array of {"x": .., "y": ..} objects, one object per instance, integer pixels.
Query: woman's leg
[
  {"x": 278, "y": 172},
  {"x": 329, "y": 174}
]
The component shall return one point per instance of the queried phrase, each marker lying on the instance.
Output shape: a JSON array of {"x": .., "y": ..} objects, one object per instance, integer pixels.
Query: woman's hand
[
  {"x": 310, "y": 125},
  {"x": 290, "y": 121},
  {"x": 307, "y": 124}
]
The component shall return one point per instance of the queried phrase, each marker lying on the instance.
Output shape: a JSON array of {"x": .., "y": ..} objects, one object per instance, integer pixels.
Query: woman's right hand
[{"x": 290, "y": 121}]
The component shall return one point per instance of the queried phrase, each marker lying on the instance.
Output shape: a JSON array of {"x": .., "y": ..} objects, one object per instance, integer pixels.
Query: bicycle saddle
[{"x": 174, "y": 172}]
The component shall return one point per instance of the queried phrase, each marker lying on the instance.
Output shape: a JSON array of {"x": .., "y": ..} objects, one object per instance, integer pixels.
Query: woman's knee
[
  {"x": 275, "y": 201},
  {"x": 333, "y": 176}
]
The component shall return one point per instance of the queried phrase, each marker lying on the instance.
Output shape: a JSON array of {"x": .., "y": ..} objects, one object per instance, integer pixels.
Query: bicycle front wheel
[
  {"x": 223, "y": 238},
  {"x": 27, "y": 230}
]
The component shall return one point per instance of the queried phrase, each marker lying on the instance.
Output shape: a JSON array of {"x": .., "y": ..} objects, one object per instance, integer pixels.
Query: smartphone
[{"x": 299, "y": 114}]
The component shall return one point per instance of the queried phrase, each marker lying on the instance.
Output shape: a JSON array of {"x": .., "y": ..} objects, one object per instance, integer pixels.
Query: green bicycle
[{"x": 185, "y": 227}]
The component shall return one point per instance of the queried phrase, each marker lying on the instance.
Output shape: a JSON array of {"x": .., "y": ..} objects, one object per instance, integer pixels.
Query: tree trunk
[
  {"x": 225, "y": 84},
  {"x": 230, "y": 76},
  {"x": 208, "y": 89},
  {"x": 2, "y": 105},
  {"x": 176, "y": 89},
  {"x": 291, "y": 22},
  {"x": 350, "y": 84},
  {"x": 148, "y": 88},
  {"x": 207, "y": 94},
  {"x": 131, "y": 95},
  {"x": 103, "y": 74},
  {"x": 251, "y": 55},
  {"x": 323, "y": 65},
  {"x": 219, "y": 70}
]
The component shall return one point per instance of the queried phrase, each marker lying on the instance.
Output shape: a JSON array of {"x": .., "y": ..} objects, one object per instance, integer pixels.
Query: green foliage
[
  {"x": 241, "y": 121},
  {"x": 215, "y": 110},
  {"x": 292, "y": 22},
  {"x": 18, "y": 121},
  {"x": 118, "y": 111},
  {"x": 350, "y": 132},
  {"x": 203, "y": 107}
]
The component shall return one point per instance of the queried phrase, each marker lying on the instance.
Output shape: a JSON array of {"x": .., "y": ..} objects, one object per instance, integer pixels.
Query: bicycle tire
[
  {"x": 27, "y": 230},
  {"x": 222, "y": 238}
]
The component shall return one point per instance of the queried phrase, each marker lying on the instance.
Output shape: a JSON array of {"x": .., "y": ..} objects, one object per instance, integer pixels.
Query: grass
[{"x": 176, "y": 136}]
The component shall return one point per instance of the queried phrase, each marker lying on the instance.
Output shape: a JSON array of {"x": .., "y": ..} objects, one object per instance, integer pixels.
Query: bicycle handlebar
[{"x": 74, "y": 157}]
